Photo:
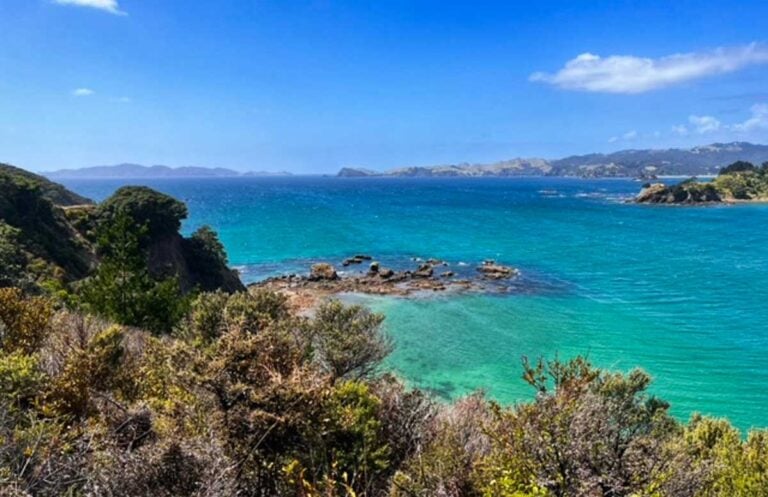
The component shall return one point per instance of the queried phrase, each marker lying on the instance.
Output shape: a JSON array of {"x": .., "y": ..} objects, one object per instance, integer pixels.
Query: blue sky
[{"x": 317, "y": 85}]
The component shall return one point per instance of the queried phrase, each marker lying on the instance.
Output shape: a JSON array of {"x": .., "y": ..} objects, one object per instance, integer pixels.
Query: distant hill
[
  {"x": 137, "y": 171},
  {"x": 51, "y": 191},
  {"x": 700, "y": 160}
]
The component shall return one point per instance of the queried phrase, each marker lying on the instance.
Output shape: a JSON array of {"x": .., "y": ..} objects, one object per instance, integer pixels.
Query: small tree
[{"x": 123, "y": 289}]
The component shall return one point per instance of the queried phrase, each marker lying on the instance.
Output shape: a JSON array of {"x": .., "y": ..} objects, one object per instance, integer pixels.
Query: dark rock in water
[
  {"x": 447, "y": 274},
  {"x": 386, "y": 273},
  {"x": 323, "y": 271},
  {"x": 687, "y": 192},
  {"x": 424, "y": 271},
  {"x": 436, "y": 262},
  {"x": 494, "y": 271},
  {"x": 356, "y": 259},
  {"x": 373, "y": 269}
]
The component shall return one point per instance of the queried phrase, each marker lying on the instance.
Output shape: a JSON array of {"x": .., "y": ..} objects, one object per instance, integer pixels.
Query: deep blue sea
[{"x": 679, "y": 291}]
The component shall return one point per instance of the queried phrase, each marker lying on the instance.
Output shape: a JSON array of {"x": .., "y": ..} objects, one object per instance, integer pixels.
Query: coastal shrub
[
  {"x": 588, "y": 432},
  {"x": 23, "y": 320},
  {"x": 348, "y": 340},
  {"x": 12, "y": 258},
  {"x": 445, "y": 463},
  {"x": 86, "y": 372},
  {"x": 40, "y": 457},
  {"x": 252, "y": 311},
  {"x": 205, "y": 320},
  {"x": 20, "y": 381}
]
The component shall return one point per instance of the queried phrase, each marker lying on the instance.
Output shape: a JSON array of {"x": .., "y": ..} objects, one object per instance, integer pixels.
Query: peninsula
[{"x": 739, "y": 182}]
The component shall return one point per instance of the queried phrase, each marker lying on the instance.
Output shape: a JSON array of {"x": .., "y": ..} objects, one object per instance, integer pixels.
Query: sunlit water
[{"x": 680, "y": 292}]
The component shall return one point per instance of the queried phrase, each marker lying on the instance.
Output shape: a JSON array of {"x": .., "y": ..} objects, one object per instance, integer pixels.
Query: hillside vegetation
[{"x": 54, "y": 192}]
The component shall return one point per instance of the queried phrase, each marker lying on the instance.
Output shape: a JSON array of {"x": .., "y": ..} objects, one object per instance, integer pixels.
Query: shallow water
[{"x": 680, "y": 292}]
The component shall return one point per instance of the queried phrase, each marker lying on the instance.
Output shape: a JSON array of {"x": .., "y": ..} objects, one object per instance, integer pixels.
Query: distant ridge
[
  {"x": 137, "y": 171},
  {"x": 645, "y": 163}
]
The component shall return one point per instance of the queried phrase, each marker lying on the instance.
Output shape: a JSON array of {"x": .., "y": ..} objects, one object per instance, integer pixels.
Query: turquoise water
[{"x": 680, "y": 292}]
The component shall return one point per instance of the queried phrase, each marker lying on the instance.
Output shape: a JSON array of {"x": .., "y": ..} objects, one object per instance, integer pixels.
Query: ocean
[{"x": 681, "y": 292}]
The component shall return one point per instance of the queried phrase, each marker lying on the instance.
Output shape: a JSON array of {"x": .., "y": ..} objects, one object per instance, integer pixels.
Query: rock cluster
[
  {"x": 323, "y": 281},
  {"x": 493, "y": 271}
]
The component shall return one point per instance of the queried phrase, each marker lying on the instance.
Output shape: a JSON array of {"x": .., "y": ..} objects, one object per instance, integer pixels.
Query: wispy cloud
[
  {"x": 702, "y": 125},
  {"x": 628, "y": 136},
  {"x": 758, "y": 121},
  {"x": 110, "y": 6},
  {"x": 82, "y": 92},
  {"x": 630, "y": 74}
]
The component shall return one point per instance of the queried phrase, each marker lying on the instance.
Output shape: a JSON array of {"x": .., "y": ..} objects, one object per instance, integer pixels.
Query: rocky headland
[{"x": 739, "y": 182}]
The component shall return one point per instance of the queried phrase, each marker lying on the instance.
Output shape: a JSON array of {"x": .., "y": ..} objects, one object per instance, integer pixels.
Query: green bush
[{"x": 160, "y": 213}]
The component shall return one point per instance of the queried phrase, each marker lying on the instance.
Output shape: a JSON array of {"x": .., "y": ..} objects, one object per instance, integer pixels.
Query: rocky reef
[{"x": 323, "y": 280}]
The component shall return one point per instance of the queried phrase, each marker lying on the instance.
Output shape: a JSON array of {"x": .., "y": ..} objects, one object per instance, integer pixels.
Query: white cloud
[
  {"x": 110, "y": 6},
  {"x": 628, "y": 136},
  {"x": 704, "y": 124},
  {"x": 631, "y": 74},
  {"x": 82, "y": 92},
  {"x": 758, "y": 121},
  {"x": 680, "y": 130}
]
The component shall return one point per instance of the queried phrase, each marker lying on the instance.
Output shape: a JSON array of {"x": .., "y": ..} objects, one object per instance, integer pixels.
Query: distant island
[
  {"x": 137, "y": 171},
  {"x": 644, "y": 164},
  {"x": 739, "y": 182}
]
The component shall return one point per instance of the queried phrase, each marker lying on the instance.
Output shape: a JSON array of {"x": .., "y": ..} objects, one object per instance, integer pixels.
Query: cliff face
[{"x": 174, "y": 255}]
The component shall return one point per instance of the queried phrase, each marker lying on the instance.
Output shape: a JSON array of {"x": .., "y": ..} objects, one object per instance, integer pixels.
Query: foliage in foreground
[{"x": 243, "y": 397}]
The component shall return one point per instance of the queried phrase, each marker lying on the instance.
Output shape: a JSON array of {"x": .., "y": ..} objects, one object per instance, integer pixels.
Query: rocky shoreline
[{"x": 431, "y": 275}]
